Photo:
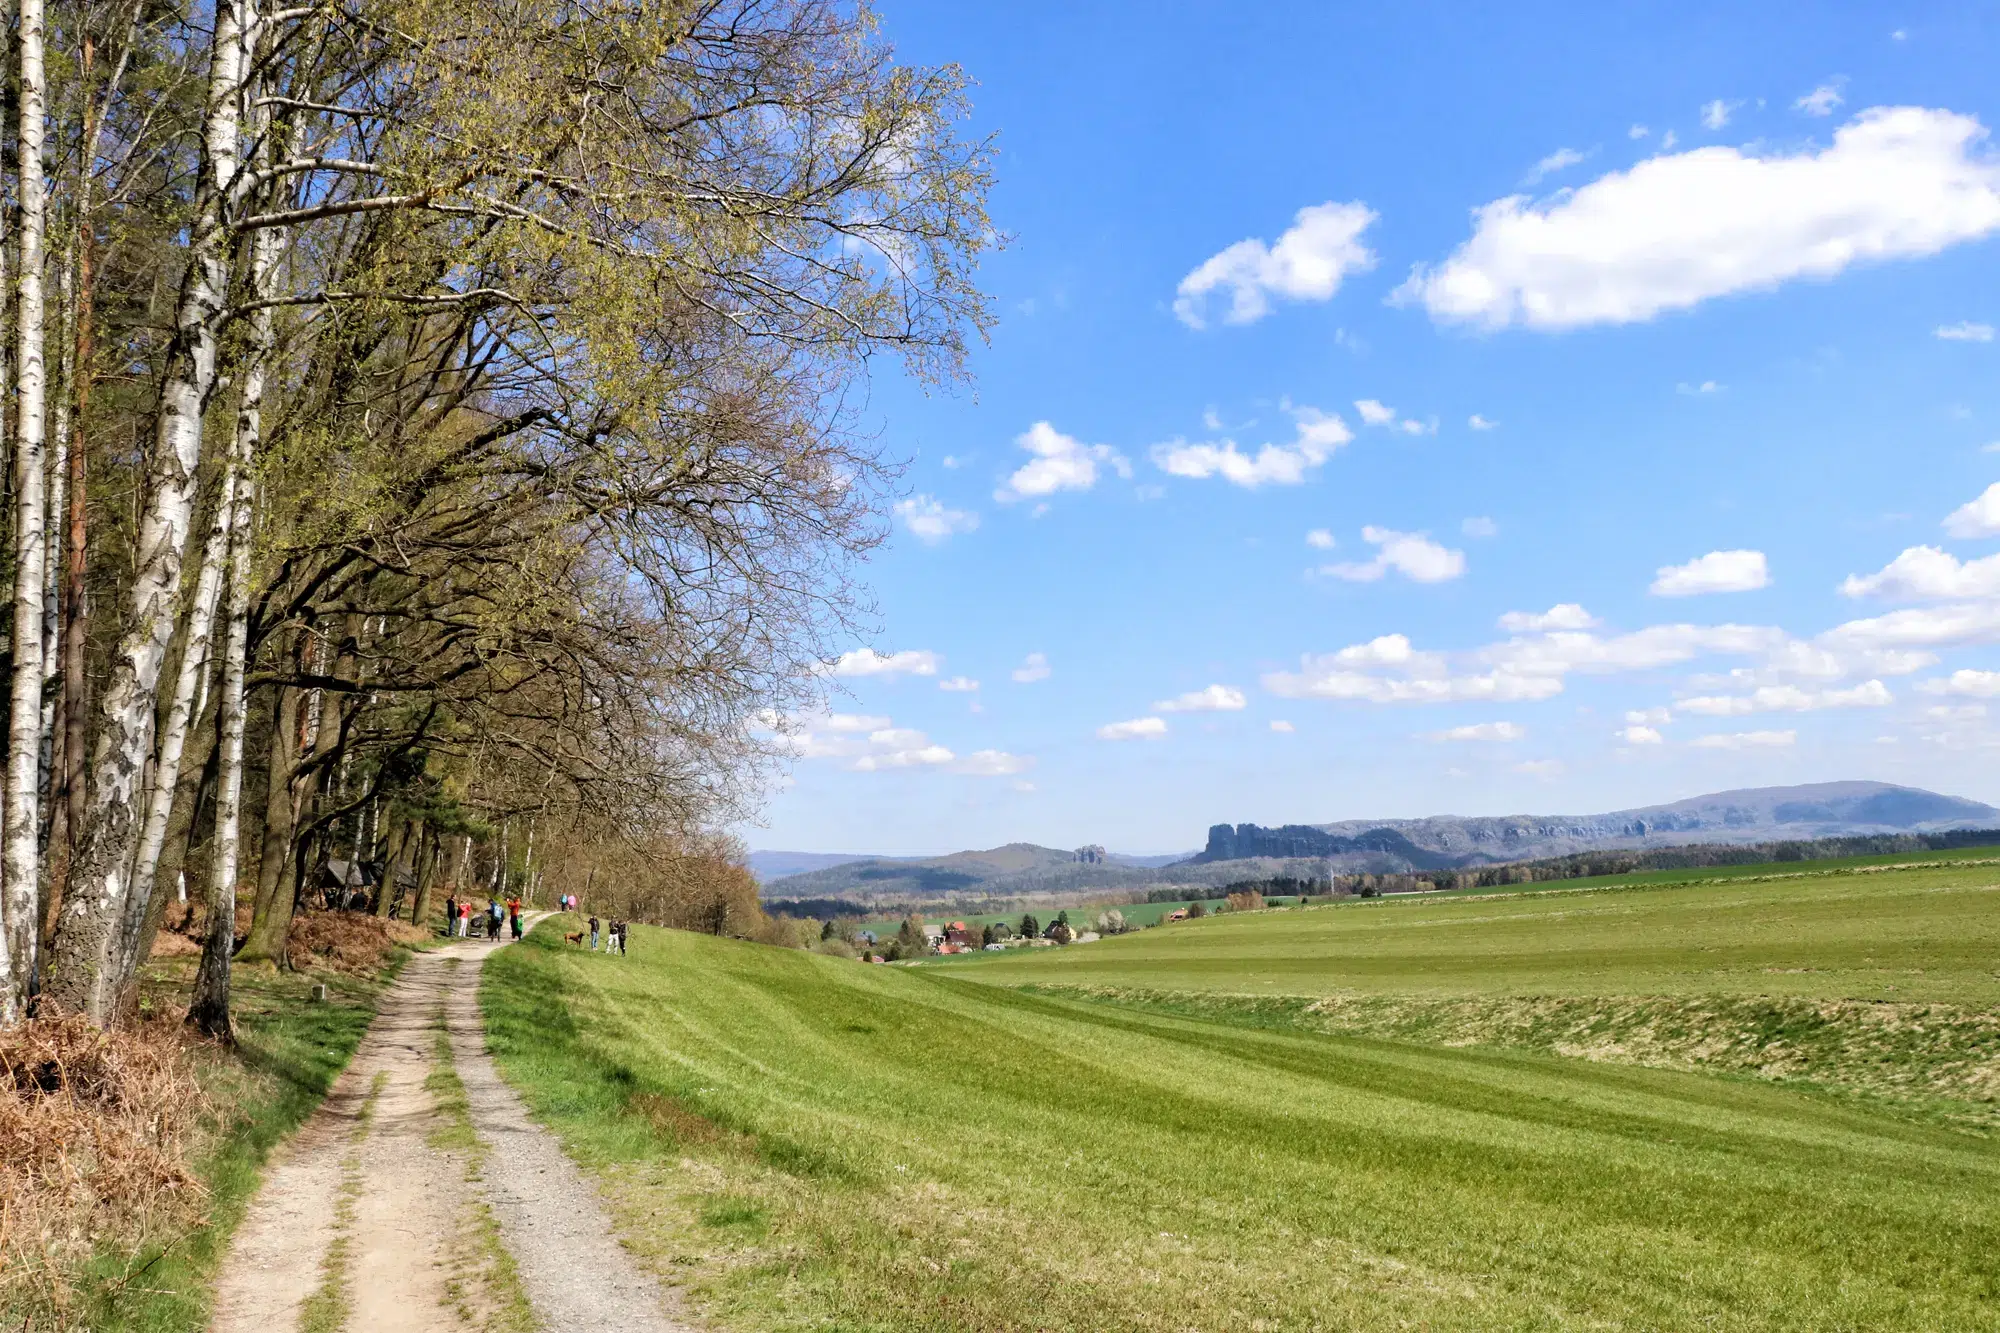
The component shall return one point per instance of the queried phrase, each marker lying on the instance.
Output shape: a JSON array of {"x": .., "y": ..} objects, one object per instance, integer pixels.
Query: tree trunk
[
  {"x": 21, "y": 937},
  {"x": 76, "y": 601},
  {"x": 427, "y": 861},
  {"x": 210, "y": 1008},
  {"x": 194, "y": 665},
  {"x": 272, "y": 916},
  {"x": 198, "y": 780},
  {"x": 85, "y": 976},
  {"x": 52, "y": 543}
]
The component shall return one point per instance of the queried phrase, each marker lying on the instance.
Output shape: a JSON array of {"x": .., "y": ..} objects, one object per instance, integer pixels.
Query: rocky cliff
[{"x": 1761, "y": 814}]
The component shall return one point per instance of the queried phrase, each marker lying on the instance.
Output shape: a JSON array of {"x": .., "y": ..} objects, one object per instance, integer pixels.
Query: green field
[
  {"x": 1870, "y": 934},
  {"x": 808, "y": 1143}
]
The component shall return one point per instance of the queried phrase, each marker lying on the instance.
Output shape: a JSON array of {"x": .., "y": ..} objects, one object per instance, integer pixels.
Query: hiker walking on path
[
  {"x": 514, "y": 916},
  {"x": 451, "y": 912},
  {"x": 593, "y": 934},
  {"x": 464, "y": 917},
  {"x": 496, "y": 915}
]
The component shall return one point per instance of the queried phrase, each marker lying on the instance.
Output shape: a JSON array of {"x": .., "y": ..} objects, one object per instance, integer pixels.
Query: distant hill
[
  {"x": 1392, "y": 846},
  {"x": 1759, "y": 814},
  {"x": 767, "y": 866}
]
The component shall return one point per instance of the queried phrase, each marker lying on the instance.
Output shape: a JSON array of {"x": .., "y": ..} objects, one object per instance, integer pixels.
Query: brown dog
[{"x": 574, "y": 939}]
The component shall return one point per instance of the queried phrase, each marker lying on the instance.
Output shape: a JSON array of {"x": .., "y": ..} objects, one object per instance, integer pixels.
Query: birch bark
[
  {"x": 85, "y": 976},
  {"x": 22, "y": 853},
  {"x": 195, "y": 655},
  {"x": 209, "y": 1011}
]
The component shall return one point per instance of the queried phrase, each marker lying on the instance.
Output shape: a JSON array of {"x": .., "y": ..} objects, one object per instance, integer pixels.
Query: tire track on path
[{"x": 408, "y": 1227}]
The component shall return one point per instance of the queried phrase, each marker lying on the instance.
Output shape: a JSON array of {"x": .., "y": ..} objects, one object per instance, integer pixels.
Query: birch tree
[
  {"x": 22, "y": 854},
  {"x": 84, "y": 973}
]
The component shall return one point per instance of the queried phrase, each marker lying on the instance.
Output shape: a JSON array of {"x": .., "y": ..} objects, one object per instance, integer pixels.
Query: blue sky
[{"x": 1407, "y": 410}]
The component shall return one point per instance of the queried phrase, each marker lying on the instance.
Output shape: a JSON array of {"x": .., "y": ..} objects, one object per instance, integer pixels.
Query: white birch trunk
[
  {"x": 85, "y": 975},
  {"x": 195, "y": 654},
  {"x": 210, "y": 1009},
  {"x": 22, "y": 853}
]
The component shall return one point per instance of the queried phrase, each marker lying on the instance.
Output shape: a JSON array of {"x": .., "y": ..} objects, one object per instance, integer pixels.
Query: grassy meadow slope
[
  {"x": 805, "y": 1142},
  {"x": 1925, "y": 933}
]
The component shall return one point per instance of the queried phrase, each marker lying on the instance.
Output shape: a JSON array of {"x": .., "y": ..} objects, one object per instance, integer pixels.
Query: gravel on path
[
  {"x": 365, "y": 1170},
  {"x": 551, "y": 1220}
]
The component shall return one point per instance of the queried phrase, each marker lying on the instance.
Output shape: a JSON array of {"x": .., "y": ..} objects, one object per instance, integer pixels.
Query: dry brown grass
[
  {"x": 350, "y": 942},
  {"x": 96, "y": 1132}
]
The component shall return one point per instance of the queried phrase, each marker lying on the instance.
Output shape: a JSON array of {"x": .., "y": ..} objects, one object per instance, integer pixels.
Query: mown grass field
[
  {"x": 809, "y": 1143},
  {"x": 1870, "y": 933}
]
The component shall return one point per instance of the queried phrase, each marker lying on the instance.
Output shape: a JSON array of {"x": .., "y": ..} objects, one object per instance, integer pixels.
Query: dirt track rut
[{"x": 376, "y": 1214}]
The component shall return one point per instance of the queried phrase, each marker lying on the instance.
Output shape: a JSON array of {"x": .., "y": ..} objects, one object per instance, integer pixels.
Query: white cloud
[
  {"x": 1321, "y": 540},
  {"x": 1718, "y": 571},
  {"x": 1412, "y": 554},
  {"x": 1927, "y": 627},
  {"x": 1641, "y": 735},
  {"x": 1789, "y": 699},
  {"x": 1478, "y": 422},
  {"x": 1747, "y": 740},
  {"x": 959, "y": 685},
  {"x": 1649, "y": 717},
  {"x": 1668, "y": 140},
  {"x": 1479, "y": 526},
  {"x": 1697, "y": 390},
  {"x": 1676, "y": 230},
  {"x": 845, "y": 723},
  {"x": 1715, "y": 115},
  {"x": 1388, "y": 670},
  {"x": 1559, "y": 652},
  {"x": 1637, "y": 132},
  {"x": 1061, "y": 463},
  {"x": 1481, "y": 731},
  {"x": 1213, "y": 699},
  {"x": 1559, "y": 160},
  {"x": 1034, "y": 667},
  {"x": 1317, "y": 435},
  {"x": 930, "y": 522},
  {"x": 1374, "y": 412},
  {"x": 1282, "y": 727},
  {"x": 1532, "y": 666},
  {"x": 1138, "y": 729},
  {"x": 993, "y": 764},
  {"x": 863, "y": 744},
  {"x": 1321, "y": 247},
  {"x": 1563, "y": 615},
  {"x": 1540, "y": 768},
  {"x": 868, "y": 662},
  {"x": 913, "y": 754},
  {"x": 953, "y": 462},
  {"x": 1924, "y": 573},
  {"x": 1976, "y": 518},
  {"x": 1966, "y": 682},
  {"x": 1966, "y": 331},
  {"x": 1822, "y": 100}
]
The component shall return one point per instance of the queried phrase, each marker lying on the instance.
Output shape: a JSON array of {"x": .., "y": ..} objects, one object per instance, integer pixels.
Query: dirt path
[{"x": 417, "y": 1199}]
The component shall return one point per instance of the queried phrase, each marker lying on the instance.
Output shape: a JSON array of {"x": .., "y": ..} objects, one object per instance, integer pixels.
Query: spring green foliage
[
  {"x": 812, "y": 1143},
  {"x": 1924, "y": 933}
]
